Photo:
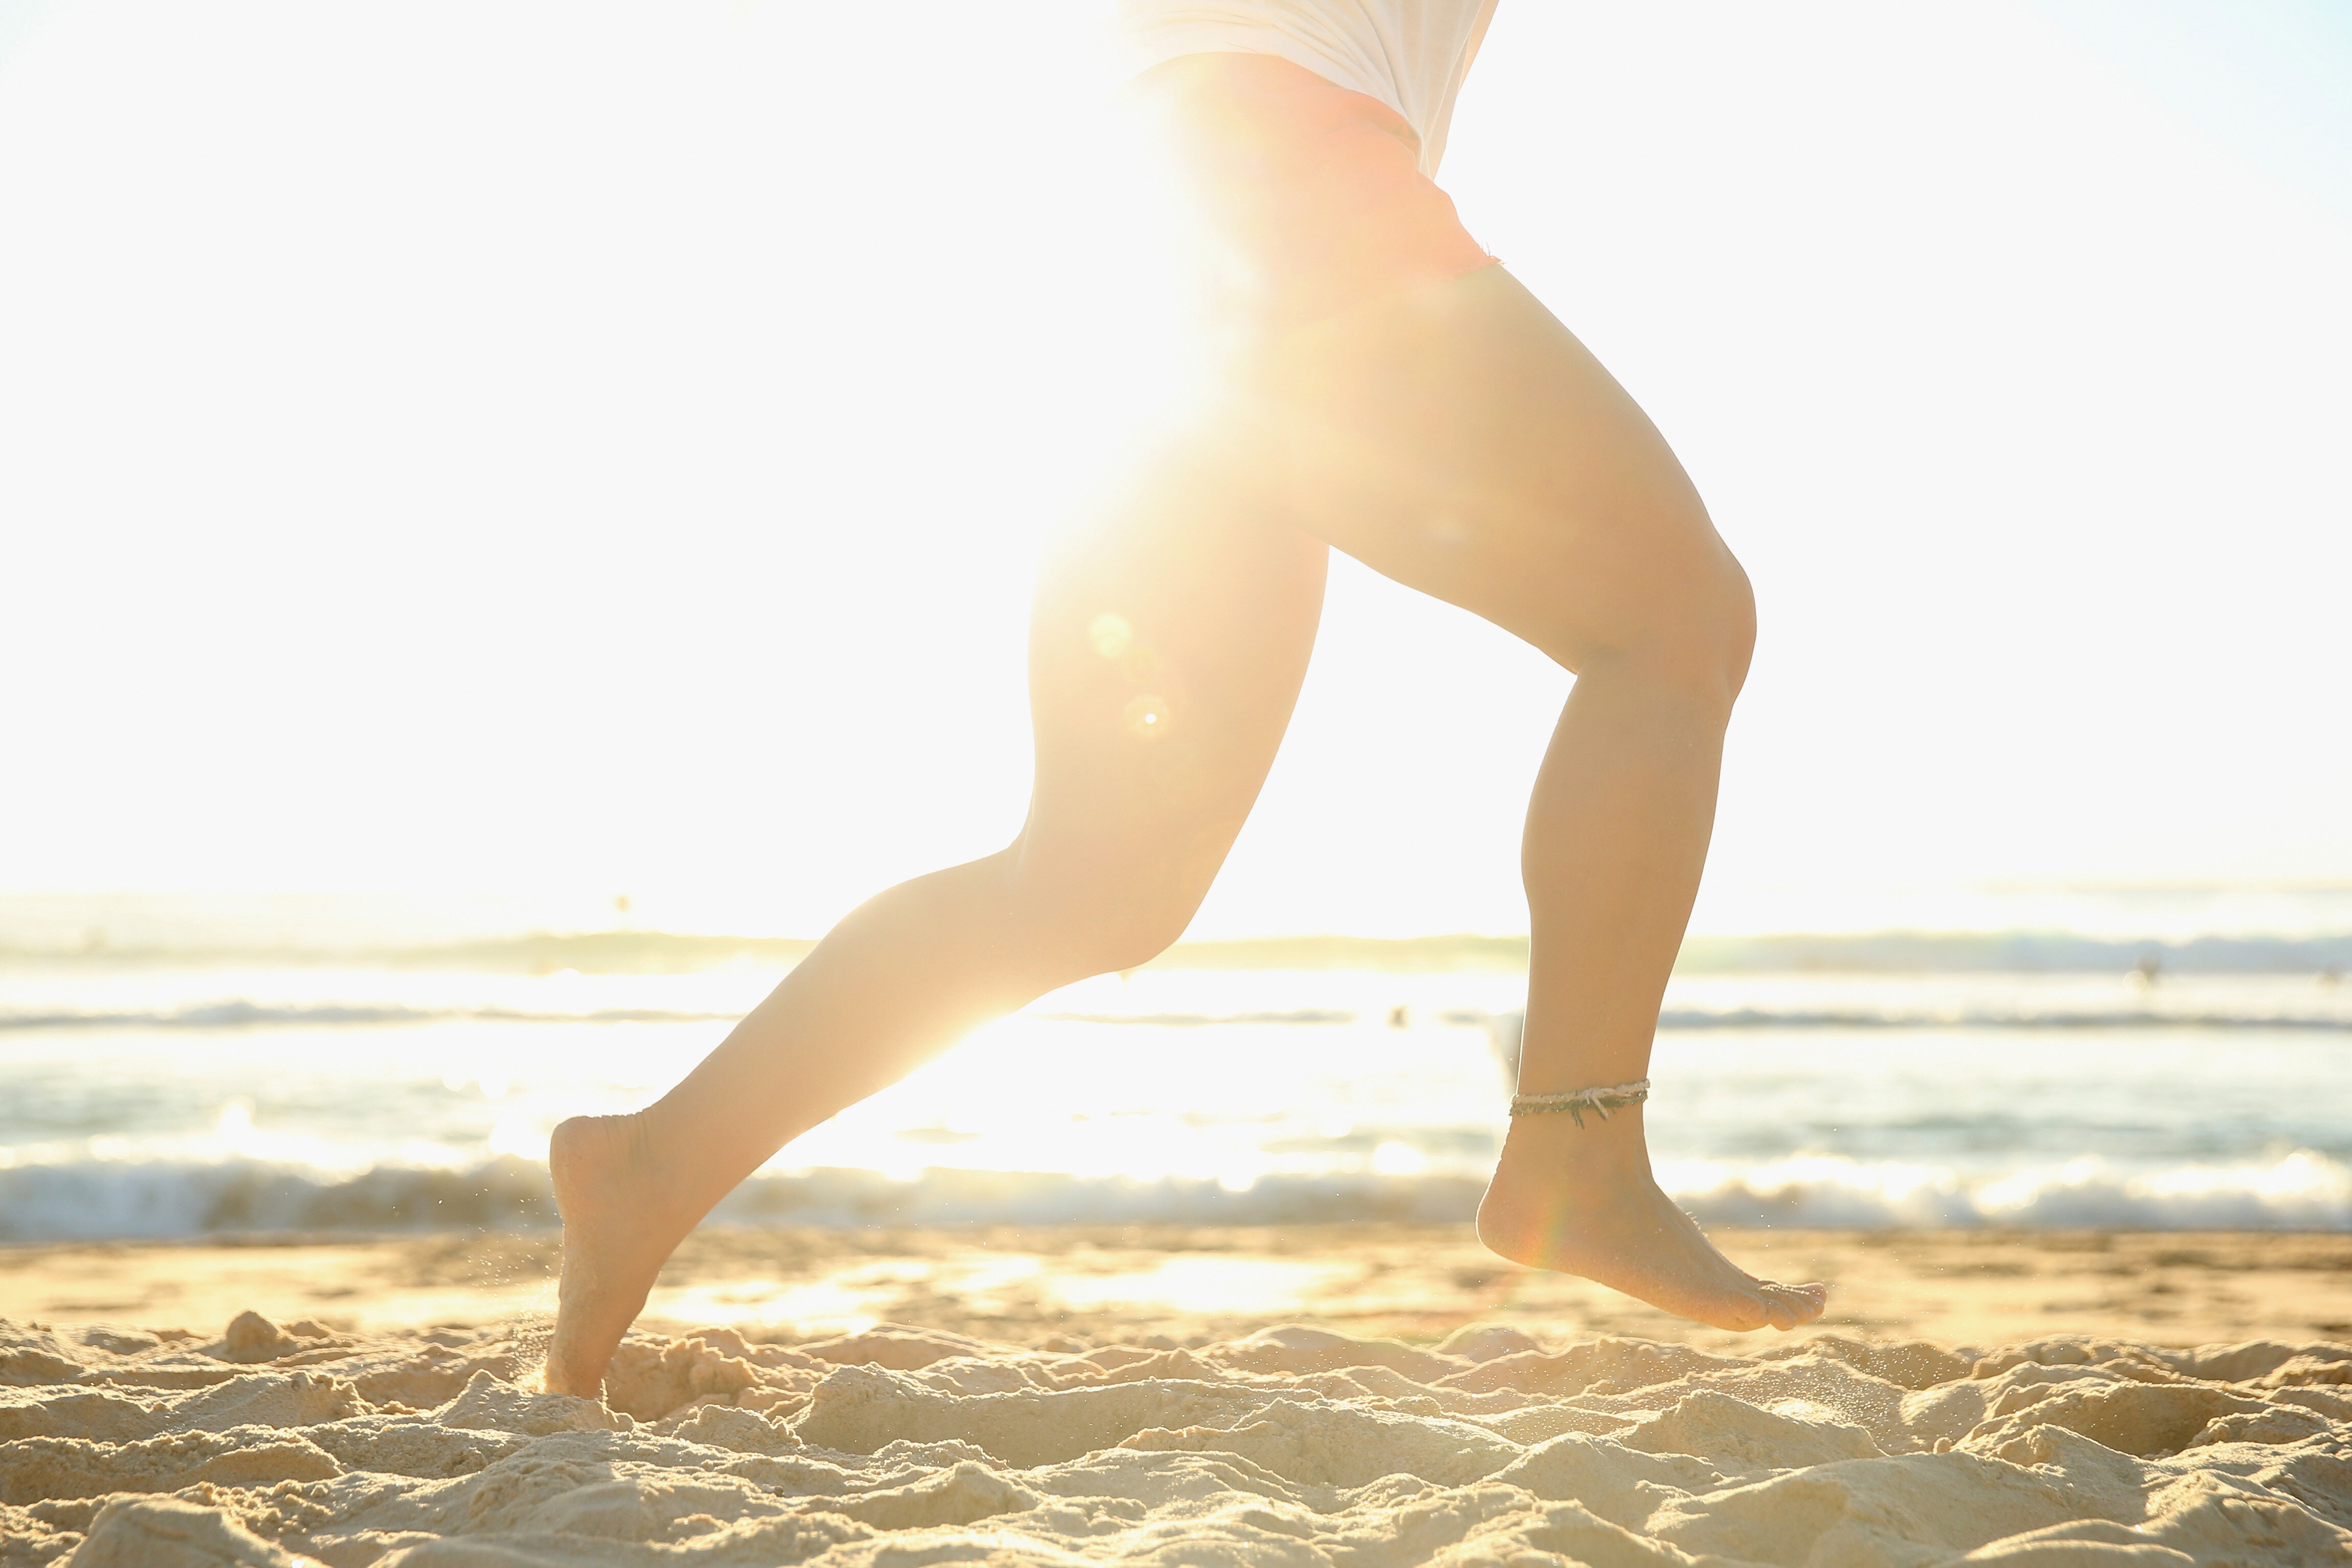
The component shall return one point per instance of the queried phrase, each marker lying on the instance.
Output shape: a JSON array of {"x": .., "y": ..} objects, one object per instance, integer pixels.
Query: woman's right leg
[
  {"x": 1459, "y": 439},
  {"x": 1167, "y": 650}
]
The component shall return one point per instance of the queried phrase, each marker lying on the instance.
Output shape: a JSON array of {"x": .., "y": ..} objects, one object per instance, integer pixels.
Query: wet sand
[{"x": 1417, "y": 1283}]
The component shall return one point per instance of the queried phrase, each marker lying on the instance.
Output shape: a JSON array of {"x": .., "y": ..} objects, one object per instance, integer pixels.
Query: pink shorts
[{"x": 1313, "y": 193}]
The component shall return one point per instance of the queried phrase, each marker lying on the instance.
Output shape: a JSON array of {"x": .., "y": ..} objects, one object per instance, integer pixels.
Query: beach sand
[{"x": 1371, "y": 1395}]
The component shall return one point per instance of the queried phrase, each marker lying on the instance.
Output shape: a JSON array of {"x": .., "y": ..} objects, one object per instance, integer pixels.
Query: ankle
[
  {"x": 1554, "y": 1150},
  {"x": 679, "y": 1173},
  {"x": 608, "y": 1155}
]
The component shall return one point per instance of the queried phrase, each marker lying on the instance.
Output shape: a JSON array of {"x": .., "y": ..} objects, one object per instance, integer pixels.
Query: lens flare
[
  {"x": 1110, "y": 635},
  {"x": 1147, "y": 716}
]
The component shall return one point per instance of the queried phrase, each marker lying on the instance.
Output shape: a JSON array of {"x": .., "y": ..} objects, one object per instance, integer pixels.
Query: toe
[
  {"x": 1806, "y": 1304},
  {"x": 1790, "y": 1305},
  {"x": 1752, "y": 1309},
  {"x": 1742, "y": 1312}
]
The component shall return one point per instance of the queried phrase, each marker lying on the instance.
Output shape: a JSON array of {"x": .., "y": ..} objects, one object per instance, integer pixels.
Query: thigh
[
  {"x": 1167, "y": 647},
  {"x": 1458, "y": 438}
]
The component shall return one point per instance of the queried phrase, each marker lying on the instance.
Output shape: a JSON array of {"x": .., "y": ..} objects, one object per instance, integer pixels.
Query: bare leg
[
  {"x": 1460, "y": 440},
  {"x": 1166, "y": 650}
]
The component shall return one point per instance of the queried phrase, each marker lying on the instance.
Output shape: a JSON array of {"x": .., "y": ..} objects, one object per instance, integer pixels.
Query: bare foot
[
  {"x": 1582, "y": 1200},
  {"x": 615, "y": 1239}
]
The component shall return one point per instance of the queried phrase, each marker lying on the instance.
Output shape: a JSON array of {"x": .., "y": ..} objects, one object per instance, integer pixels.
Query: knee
[
  {"x": 1101, "y": 935},
  {"x": 1724, "y": 613},
  {"x": 1692, "y": 637},
  {"x": 1111, "y": 916}
]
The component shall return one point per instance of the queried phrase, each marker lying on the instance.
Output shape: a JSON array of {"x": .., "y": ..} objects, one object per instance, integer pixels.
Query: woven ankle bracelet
[{"x": 1601, "y": 1101}]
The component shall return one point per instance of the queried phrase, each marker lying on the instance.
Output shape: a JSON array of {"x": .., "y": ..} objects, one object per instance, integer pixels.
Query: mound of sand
[{"x": 277, "y": 1445}]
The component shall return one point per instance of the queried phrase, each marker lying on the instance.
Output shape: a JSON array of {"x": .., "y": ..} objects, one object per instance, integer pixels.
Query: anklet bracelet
[{"x": 1601, "y": 1101}]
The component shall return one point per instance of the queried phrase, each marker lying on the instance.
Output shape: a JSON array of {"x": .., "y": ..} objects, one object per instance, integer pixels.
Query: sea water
[{"x": 159, "y": 1091}]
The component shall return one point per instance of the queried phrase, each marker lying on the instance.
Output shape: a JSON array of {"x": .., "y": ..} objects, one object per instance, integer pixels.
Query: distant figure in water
[{"x": 1390, "y": 390}]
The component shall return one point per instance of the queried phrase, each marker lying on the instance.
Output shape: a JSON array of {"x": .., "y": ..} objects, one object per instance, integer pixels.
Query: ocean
[{"x": 165, "y": 1073}]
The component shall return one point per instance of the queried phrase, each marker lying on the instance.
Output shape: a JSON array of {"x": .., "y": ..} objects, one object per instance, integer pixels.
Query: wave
[
  {"x": 1203, "y": 1020},
  {"x": 243, "y": 1014},
  {"x": 1975, "y": 1018},
  {"x": 118, "y": 1200},
  {"x": 1504, "y": 1029},
  {"x": 540, "y": 952},
  {"x": 156, "y": 1199},
  {"x": 678, "y": 953},
  {"x": 2300, "y": 1191},
  {"x": 248, "y": 1014},
  {"x": 2014, "y": 952}
]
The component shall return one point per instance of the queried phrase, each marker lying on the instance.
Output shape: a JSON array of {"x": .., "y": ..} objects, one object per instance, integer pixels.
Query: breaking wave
[
  {"x": 247, "y": 1014},
  {"x": 116, "y": 1199},
  {"x": 2302, "y": 1190},
  {"x": 244, "y": 1014},
  {"x": 639, "y": 951}
]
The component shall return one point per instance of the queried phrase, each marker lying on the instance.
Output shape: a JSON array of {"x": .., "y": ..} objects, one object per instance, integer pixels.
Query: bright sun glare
[{"x": 520, "y": 446}]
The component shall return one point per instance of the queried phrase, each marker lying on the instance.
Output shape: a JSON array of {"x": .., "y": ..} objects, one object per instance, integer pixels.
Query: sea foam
[{"x": 119, "y": 1198}]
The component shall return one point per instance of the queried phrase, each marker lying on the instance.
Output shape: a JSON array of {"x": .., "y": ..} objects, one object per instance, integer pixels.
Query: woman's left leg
[{"x": 1167, "y": 645}]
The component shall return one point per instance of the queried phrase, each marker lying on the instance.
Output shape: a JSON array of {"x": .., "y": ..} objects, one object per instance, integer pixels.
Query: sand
[
  {"x": 1103, "y": 1397},
  {"x": 1413, "y": 1282},
  {"x": 278, "y": 1444}
]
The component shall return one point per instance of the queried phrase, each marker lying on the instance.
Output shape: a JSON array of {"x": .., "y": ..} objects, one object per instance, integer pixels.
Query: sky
[{"x": 515, "y": 447}]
